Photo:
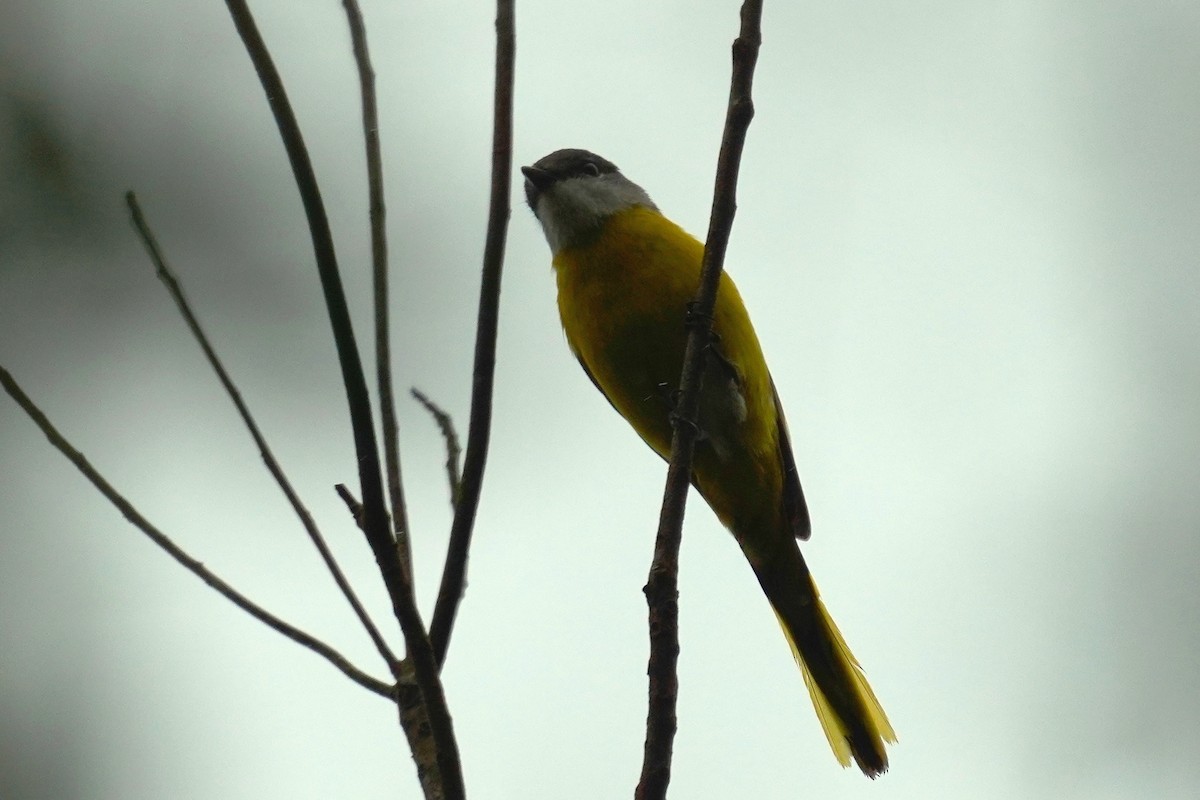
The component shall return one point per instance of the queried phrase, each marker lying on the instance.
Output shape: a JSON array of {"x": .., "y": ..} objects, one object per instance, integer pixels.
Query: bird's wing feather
[
  {"x": 596, "y": 383},
  {"x": 795, "y": 509},
  {"x": 592, "y": 378}
]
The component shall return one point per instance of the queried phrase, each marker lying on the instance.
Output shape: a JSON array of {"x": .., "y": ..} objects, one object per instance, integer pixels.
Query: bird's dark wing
[
  {"x": 592, "y": 378},
  {"x": 795, "y": 509},
  {"x": 596, "y": 383}
]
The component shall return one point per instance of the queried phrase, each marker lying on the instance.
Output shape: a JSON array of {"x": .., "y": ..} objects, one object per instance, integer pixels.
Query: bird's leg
[
  {"x": 714, "y": 351},
  {"x": 694, "y": 319},
  {"x": 665, "y": 394}
]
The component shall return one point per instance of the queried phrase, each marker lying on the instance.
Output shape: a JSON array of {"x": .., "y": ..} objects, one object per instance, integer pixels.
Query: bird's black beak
[
  {"x": 537, "y": 180},
  {"x": 540, "y": 178}
]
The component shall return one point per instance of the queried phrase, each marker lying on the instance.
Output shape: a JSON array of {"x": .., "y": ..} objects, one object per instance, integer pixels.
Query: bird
[{"x": 626, "y": 275}]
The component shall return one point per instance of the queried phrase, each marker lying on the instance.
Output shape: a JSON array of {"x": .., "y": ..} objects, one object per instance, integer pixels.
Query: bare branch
[
  {"x": 413, "y": 716},
  {"x": 310, "y": 526},
  {"x": 379, "y": 262},
  {"x": 455, "y": 572},
  {"x": 453, "y": 451},
  {"x": 192, "y": 565},
  {"x": 375, "y": 516},
  {"x": 662, "y": 592},
  {"x": 351, "y": 502}
]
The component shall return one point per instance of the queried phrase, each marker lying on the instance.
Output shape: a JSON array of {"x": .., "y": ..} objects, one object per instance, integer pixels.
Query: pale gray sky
[{"x": 967, "y": 234}]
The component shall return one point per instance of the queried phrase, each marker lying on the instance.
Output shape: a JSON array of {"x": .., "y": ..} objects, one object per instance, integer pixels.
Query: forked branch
[
  {"x": 179, "y": 554},
  {"x": 375, "y": 515},
  {"x": 171, "y": 282}
]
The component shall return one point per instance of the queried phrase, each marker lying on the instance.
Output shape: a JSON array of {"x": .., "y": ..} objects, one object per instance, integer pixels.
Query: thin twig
[
  {"x": 310, "y": 526},
  {"x": 662, "y": 592},
  {"x": 192, "y": 565},
  {"x": 375, "y": 516},
  {"x": 379, "y": 264},
  {"x": 479, "y": 429},
  {"x": 351, "y": 502},
  {"x": 453, "y": 451}
]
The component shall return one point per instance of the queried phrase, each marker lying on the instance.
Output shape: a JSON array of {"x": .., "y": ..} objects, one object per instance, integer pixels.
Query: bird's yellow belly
[{"x": 623, "y": 301}]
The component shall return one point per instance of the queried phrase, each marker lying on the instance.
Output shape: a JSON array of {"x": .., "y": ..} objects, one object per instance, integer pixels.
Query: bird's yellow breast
[{"x": 623, "y": 300}]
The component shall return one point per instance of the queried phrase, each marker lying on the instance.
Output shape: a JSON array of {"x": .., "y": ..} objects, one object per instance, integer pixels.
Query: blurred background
[{"x": 968, "y": 236}]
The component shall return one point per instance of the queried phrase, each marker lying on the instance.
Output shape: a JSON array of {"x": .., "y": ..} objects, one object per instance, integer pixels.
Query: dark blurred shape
[
  {"x": 39, "y": 755},
  {"x": 41, "y": 190}
]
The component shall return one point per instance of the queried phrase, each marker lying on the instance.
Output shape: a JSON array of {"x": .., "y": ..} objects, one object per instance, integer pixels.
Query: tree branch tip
[
  {"x": 355, "y": 507},
  {"x": 445, "y": 423}
]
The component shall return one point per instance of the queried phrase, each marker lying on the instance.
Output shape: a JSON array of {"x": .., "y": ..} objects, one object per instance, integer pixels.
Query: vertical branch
[
  {"x": 379, "y": 263},
  {"x": 455, "y": 571},
  {"x": 375, "y": 517},
  {"x": 662, "y": 587}
]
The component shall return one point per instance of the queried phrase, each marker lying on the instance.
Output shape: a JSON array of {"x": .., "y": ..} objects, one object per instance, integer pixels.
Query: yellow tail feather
[{"x": 876, "y": 722}]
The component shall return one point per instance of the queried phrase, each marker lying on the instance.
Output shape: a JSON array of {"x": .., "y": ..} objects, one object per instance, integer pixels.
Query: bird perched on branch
[{"x": 626, "y": 275}]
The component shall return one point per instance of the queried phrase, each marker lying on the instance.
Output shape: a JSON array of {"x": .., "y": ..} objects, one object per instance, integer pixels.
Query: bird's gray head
[{"x": 572, "y": 192}]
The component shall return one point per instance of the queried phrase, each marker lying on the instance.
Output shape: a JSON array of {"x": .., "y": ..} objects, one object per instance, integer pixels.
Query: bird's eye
[{"x": 590, "y": 168}]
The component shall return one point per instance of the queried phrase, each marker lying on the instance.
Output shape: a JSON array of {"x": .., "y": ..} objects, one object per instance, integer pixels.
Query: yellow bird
[{"x": 625, "y": 277}]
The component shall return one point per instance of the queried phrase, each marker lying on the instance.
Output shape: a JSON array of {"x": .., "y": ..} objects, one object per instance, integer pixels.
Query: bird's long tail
[{"x": 850, "y": 714}]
